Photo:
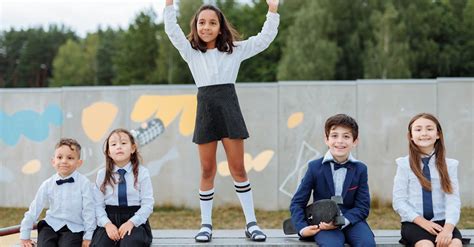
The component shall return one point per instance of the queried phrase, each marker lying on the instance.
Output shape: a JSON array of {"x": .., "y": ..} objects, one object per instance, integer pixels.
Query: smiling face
[
  {"x": 424, "y": 134},
  {"x": 120, "y": 148},
  {"x": 66, "y": 160},
  {"x": 208, "y": 27},
  {"x": 340, "y": 142}
]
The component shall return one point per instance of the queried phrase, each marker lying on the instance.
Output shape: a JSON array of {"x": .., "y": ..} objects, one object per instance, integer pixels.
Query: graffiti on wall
[
  {"x": 153, "y": 113},
  {"x": 12, "y": 127}
]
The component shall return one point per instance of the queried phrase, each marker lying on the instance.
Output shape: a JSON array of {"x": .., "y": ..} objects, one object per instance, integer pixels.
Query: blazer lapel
[
  {"x": 329, "y": 180},
  {"x": 349, "y": 176}
]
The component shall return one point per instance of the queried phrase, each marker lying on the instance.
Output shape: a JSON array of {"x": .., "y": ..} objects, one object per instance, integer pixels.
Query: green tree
[
  {"x": 106, "y": 51},
  {"x": 309, "y": 53},
  {"x": 76, "y": 63},
  {"x": 29, "y": 55},
  {"x": 467, "y": 41},
  {"x": 422, "y": 25},
  {"x": 137, "y": 51},
  {"x": 388, "y": 54}
]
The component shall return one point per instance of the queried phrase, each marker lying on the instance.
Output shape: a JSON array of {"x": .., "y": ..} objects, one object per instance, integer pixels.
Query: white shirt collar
[
  {"x": 328, "y": 158},
  {"x": 73, "y": 175},
  {"x": 127, "y": 167}
]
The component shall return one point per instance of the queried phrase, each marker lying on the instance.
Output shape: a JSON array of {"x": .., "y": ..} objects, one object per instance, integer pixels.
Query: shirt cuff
[
  {"x": 136, "y": 220},
  {"x": 25, "y": 235},
  {"x": 272, "y": 15},
  {"x": 301, "y": 231},
  {"x": 103, "y": 221},
  {"x": 347, "y": 222},
  {"x": 88, "y": 235},
  {"x": 412, "y": 216}
]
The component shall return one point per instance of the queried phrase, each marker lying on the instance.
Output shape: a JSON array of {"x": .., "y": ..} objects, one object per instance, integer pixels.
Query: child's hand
[
  {"x": 272, "y": 5},
  {"x": 112, "y": 232},
  {"x": 429, "y": 226},
  {"x": 169, "y": 2},
  {"x": 310, "y": 231},
  {"x": 86, "y": 243},
  {"x": 126, "y": 228},
  {"x": 26, "y": 243},
  {"x": 327, "y": 226},
  {"x": 444, "y": 238}
]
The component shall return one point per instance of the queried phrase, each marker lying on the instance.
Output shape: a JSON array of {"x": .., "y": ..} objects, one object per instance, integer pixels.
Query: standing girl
[
  {"x": 214, "y": 55},
  {"x": 123, "y": 195},
  {"x": 426, "y": 191}
]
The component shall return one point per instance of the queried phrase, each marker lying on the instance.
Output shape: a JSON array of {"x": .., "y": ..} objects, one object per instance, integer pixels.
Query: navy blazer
[{"x": 318, "y": 179}]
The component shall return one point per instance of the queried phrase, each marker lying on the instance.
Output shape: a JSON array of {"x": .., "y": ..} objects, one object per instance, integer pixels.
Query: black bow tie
[
  {"x": 337, "y": 166},
  {"x": 67, "y": 180}
]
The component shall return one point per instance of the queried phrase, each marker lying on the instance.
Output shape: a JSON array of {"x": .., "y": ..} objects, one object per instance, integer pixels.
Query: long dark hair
[
  {"x": 225, "y": 39},
  {"x": 440, "y": 153},
  {"x": 135, "y": 159}
]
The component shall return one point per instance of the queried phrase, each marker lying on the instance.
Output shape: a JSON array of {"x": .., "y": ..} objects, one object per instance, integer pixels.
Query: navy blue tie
[
  {"x": 122, "y": 189},
  {"x": 427, "y": 198},
  {"x": 62, "y": 181}
]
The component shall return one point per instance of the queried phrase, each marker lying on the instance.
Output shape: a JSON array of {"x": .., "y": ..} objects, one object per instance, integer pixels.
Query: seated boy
[
  {"x": 336, "y": 174},
  {"x": 70, "y": 219}
]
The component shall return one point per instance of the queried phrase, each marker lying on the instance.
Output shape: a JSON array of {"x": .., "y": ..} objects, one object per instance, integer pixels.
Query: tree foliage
[{"x": 317, "y": 40}]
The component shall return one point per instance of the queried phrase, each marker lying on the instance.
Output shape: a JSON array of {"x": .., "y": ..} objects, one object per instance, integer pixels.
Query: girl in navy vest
[
  {"x": 426, "y": 190},
  {"x": 123, "y": 195},
  {"x": 214, "y": 56}
]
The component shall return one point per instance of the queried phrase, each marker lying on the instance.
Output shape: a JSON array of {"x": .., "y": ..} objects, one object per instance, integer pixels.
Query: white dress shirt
[
  {"x": 214, "y": 67},
  {"x": 70, "y": 204},
  {"x": 141, "y": 195},
  {"x": 408, "y": 197}
]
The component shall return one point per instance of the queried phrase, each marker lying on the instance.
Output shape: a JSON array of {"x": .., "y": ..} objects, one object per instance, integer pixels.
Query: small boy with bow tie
[
  {"x": 70, "y": 219},
  {"x": 336, "y": 174}
]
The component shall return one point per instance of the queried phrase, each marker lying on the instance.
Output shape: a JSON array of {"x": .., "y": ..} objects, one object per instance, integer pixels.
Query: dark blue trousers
[{"x": 358, "y": 235}]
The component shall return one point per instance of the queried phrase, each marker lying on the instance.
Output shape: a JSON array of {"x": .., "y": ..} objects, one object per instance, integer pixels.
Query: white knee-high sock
[
  {"x": 244, "y": 192},
  {"x": 205, "y": 201}
]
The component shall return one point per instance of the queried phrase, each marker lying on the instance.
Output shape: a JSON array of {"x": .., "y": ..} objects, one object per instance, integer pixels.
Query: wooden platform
[{"x": 231, "y": 238}]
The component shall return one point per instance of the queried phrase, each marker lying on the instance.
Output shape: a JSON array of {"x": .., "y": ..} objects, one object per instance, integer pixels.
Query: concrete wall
[{"x": 285, "y": 121}]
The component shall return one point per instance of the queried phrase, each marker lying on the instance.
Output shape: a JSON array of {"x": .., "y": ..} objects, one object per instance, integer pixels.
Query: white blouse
[
  {"x": 142, "y": 195},
  {"x": 214, "y": 67},
  {"x": 408, "y": 196}
]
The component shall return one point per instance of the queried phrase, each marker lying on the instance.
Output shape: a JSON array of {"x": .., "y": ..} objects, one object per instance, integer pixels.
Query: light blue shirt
[
  {"x": 214, "y": 67},
  {"x": 139, "y": 195},
  {"x": 408, "y": 197},
  {"x": 70, "y": 204},
  {"x": 338, "y": 176}
]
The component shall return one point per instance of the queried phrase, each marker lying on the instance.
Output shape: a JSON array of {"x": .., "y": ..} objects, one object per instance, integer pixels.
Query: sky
[{"x": 82, "y": 16}]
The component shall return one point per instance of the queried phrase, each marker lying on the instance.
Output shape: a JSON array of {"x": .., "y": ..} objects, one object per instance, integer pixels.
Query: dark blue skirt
[{"x": 218, "y": 115}]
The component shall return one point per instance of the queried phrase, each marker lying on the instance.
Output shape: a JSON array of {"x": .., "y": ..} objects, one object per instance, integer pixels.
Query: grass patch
[{"x": 381, "y": 216}]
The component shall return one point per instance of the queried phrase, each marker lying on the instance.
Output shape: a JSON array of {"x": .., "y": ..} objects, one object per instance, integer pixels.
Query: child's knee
[{"x": 365, "y": 242}]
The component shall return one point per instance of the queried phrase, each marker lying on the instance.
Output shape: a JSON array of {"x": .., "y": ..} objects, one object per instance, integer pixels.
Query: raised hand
[{"x": 272, "y": 5}]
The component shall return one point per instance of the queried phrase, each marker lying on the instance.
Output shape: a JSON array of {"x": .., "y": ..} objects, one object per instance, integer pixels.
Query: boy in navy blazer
[{"x": 336, "y": 174}]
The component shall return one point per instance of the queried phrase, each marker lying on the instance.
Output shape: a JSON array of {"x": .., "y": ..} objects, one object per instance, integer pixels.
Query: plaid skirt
[{"x": 218, "y": 115}]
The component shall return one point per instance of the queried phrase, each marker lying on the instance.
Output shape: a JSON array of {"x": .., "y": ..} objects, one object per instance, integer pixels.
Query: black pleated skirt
[
  {"x": 140, "y": 236},
  {"x": 218, "y": 115}
]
